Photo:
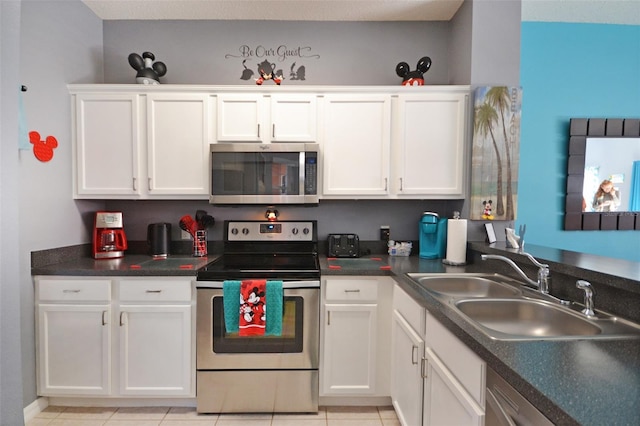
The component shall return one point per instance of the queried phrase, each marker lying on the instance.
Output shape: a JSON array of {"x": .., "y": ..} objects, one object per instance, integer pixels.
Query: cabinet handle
[
  {"x": 386, "y": 183},
  {"x": 328, "y": 317},
  {"x": 154, "y": 291},
  {"x": 414, "y": 353},
  {"x": 423, "y": 370},
  {"x": 70, "y": 291},
  {"x": 352, "y": 291},
  {"x": 258, "y": 130},
  {"x": 121, "y": 319},
  {"x": 400, "y": 184},
  {"x": 273, "y": 131},
  {"x": 104, "y": 317},
  {"x": 135, "y": 184},
  {"x": 149, "y": 183}
]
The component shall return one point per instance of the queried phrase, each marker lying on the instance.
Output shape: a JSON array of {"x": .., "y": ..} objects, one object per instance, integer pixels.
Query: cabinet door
[
  {"x": 406, "y": 376},
  {"x": 155, "y": 350},
  {"x": 355, "y": 145},
  {"x": 74, "y": 349},
  {"x": 106, "y": 145},
  {"x": 240, "y": 118},
  {"x": 293, "y": 118},
  {"x": 177, "y": 148},
  {"x": 445, "y": 401},
  {"x": 429, "y": 144},
  {"x": 349, "y": 349}
]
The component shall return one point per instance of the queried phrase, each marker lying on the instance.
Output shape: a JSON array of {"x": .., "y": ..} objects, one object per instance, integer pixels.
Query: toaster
[{"x": 343, "y": 245}]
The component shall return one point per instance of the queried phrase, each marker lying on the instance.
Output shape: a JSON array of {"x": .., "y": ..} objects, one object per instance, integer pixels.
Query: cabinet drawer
[
  {"x": 463, "y": 363},
  {"x": 155, "y": 291},
  {"x": 410, "y": 310},
  {"x": 68, "y": 290},
  {"x": 357, "y": 290}
]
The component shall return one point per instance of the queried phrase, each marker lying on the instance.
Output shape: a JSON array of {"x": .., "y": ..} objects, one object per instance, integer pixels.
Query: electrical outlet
[
  {"x": 185, "y": 235},
  {"x": 385, "y": 233}
]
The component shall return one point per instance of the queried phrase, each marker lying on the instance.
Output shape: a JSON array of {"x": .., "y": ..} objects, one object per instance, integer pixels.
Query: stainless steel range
[{"x": 265, "y": 373}]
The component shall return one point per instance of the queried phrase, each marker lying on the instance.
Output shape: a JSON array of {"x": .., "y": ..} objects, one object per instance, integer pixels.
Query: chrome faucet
[
  {"x": 542, "y": 284},
  {"x": 589, "y": 292}
]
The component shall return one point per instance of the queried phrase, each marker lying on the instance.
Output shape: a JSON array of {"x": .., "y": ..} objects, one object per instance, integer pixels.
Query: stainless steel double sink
[{"x": 503, "y": 309}]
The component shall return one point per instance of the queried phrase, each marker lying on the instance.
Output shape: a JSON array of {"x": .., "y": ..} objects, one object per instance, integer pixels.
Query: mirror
[{"x": 603, "y": 152}]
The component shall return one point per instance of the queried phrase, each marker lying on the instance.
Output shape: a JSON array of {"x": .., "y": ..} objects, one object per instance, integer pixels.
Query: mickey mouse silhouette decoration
[
  {"x": 409, "y": 78},
  {"x": 43, "y": 150},
  {"x": 149, "y": 72}
]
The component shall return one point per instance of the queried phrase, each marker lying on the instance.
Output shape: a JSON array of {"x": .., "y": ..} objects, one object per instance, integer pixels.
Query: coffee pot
[{"x": 109, "y": 239}]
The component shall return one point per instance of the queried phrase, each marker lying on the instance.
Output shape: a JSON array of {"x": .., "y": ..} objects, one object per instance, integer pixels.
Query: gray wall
[
  {"x": 10, "y": 364},
  {"x": 61, "y": 42},
  {"x": 208, "y": 52}
]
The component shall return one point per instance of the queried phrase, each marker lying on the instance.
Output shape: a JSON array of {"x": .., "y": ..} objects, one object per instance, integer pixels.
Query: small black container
[{"x": 159, "y": 240}]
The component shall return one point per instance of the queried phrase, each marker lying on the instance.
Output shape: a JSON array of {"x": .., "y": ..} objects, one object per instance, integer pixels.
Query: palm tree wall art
[{"x": 495, "y": 154}]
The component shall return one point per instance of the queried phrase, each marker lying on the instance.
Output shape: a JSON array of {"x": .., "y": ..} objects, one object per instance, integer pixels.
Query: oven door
[{"x": 296, "y": 348}]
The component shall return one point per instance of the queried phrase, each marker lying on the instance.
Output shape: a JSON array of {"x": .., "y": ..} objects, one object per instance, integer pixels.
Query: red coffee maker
[{"x": 109, "y": 240}]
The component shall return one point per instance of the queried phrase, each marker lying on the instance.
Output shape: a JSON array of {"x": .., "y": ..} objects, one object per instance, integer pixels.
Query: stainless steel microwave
[{"x": 261, "y": 173}]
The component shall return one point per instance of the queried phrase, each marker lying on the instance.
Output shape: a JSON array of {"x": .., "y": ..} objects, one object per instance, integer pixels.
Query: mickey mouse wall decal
[
  {"x": 149, "y": 72},
  {"x": 43, "y": 150},
  {"x": 411, "y": 77}
]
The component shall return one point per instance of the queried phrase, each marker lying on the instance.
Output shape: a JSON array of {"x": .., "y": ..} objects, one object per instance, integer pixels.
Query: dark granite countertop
[
  {"x": 129, "y": 265},
  {"x": 588, "y": 382}
]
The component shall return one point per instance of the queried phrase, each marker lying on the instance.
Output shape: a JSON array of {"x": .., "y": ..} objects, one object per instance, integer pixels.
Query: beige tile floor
[{"x": 187, "y": 416}]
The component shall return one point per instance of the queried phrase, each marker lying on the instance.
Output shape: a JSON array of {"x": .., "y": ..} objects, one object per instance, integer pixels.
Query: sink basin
[
  {"x": 528, "y": 319},
  {"x": 465, "y": 285}
]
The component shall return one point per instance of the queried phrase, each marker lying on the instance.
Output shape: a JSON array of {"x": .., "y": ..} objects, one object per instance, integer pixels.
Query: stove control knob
[
  {"x": 234, "y": 231},
  {"x": 245, "y": 231},
  {"x": 294, "y": 231},
  {"x": 305, "y": 231}
]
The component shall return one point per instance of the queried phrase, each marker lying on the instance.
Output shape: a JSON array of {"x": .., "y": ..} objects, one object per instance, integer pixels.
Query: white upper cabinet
[
  {"x": 106, "y": 135},
  {"x": 251, "y": 117},
  {"x": 134, "y": 145},
  {"x": 398, "y": 145},
  {"x": 429, "y": 144},
  {"x": 178, "y": 148},
  {"x": 378, "y": 142},
  {"x": 356, "y": 144},
  {"x": 239, "y": 117}
]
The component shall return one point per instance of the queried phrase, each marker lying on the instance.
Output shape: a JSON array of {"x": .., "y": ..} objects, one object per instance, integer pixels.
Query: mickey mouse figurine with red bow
[{"x": 409, "y": 78}]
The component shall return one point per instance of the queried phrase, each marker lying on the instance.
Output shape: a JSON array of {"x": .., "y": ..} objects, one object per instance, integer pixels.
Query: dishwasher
[{"x": 506, "y": 407}]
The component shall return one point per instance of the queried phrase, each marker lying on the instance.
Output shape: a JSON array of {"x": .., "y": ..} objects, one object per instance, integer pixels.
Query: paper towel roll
[{"x": 456, "y": 242}]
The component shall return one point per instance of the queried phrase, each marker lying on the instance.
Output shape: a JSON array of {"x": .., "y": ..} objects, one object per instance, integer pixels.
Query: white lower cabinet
[
  {"x": 445, "y": 401},
  {"x": 355, "y": 332},
  {"x": 73, "y": 349},
  {"x": 446, "y": 385},
  {"x": 121, "y": 337},
  {"x": 406, "y": 381}
]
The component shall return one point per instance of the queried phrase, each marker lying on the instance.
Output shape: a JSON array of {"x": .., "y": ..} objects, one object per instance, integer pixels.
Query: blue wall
[{"x": 571, "y": 70}]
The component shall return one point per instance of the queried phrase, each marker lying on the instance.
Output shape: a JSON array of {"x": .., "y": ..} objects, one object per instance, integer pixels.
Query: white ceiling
[{"x": 283, "y": 10}]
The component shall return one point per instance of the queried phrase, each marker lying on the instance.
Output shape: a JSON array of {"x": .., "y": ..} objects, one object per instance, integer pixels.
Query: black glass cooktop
[{"x": 271, "y": 266}]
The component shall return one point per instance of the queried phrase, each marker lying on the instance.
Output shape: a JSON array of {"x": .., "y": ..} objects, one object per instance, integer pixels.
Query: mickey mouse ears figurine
[
  {"x": 409, "y": 78},
  {"x": 148, "y": 71}
]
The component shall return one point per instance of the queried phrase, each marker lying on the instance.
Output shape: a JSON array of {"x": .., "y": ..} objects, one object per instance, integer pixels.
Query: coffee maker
[
  {"x": 109, "y": 240},
  {"x": 433, "y": 236}
]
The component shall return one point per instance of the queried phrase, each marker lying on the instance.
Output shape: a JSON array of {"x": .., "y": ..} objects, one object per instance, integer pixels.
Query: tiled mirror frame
[{"x": 579, "y": 130}]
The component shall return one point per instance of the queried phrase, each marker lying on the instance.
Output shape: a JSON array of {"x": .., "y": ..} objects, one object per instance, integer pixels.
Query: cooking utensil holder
[{"x": 200, "y": 243}]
